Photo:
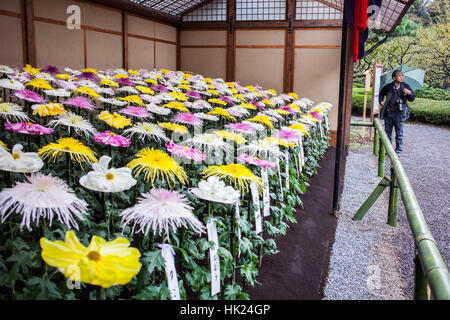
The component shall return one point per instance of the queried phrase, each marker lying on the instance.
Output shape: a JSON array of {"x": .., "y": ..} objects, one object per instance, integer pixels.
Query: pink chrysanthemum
[
  {"x": 29, "y": 95},
  {"x": 126, "y": 82},
  {"x": 42, "y": 196},
  {"x": 159, "y": 87},
  {"x": 252, "y": 160},
  {"x": 28, "y": 128},
  {"x": 161, "y": 210},
  {"x": 258, "y": 105},
  {"x": 188, "y": 118},
  {"x": 51, "y": 70},
  {"x": 88, "y": 76},
  {"x": 193, "y": 94},
  {"x": 288, "y": 109},
  {"x": 226, "y": 99},
  {"x": 185, "y": 152},
  {"x": 137, "y": 112},
  {"x": 287, "y": 134},
  {"x": 112, "y": 139},
  {"x": 80, "y": 102},
  {"x": 241, "y": 127},
  {"x": 316, "y": 115}
]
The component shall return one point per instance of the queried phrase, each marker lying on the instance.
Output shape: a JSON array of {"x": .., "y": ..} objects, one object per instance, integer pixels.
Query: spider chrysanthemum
[
  {"x": 160, "y": 210},
  {"x": 77, "y": 151},
  {"x": 115, "y": 120},
  {"x": 157, "y": 164},
  {"x": 238, "y": 174},
  {"x": 42, "y": 196}
]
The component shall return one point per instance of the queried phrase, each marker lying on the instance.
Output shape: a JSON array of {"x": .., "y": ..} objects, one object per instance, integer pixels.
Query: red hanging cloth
[
  {"x": 355, "y": 44},
  {"x": 361, "y": 14}
]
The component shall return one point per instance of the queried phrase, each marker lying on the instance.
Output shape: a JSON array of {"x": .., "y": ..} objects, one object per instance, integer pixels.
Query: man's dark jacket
[{"x": 388, "y": 91}]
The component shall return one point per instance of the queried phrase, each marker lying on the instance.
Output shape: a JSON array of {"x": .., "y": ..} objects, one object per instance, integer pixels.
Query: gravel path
[{"x": 370, "y": 259}]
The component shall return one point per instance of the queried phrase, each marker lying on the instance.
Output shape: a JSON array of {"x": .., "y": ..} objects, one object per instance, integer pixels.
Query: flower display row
[{"x": 146, "y": 184}]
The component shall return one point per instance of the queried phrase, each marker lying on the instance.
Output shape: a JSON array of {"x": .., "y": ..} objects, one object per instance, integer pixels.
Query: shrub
[{"x": 433, "y": 93}]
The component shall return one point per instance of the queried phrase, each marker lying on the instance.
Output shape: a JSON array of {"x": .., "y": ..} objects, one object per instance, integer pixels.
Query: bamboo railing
[{"x": 431, "y": 273}]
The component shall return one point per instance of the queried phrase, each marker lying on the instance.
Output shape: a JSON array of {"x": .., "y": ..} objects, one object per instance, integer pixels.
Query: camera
[{"x": 400, "y": 104}]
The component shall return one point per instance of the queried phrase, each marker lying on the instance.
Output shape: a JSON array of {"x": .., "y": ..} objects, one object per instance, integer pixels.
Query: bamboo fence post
[
  {"x": 376, "y": 143},
  {"x": 381, "y": 157},
  {"x": 393, "y": 200},
  {"x": 420, "y": 281}
]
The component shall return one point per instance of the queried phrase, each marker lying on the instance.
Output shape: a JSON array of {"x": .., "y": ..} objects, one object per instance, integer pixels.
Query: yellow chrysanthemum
[
  {"x": 176, "y": 105},
  {"x": 293, "y": 95},
  {"x": 135, "y": 72},
  {"x": 222, "y": 112},
  {"x": 174, "y": 127},
  {"x": 318, "y": 110},
  {"x": 265, "y": 120},
  {"x": 39, "y": 84},
  {"x": 186, "y": 76},
  {"x": 227, "y": 135},
  {"x": 164, "y": 71},
  {"x": 294, "y": 107},
  {"x": 208, "y": 80},
  {"x": 157, "y": 164},
  {"x": 251, "y": 88},
  {"x": 239, "y": 96},
  {"x": 108, "y": 82},
  {"x": 300, "y": 127},
  {"x": 230, "y": 84},
  {"x": 180, "y": 96},
  {"x": 267, "y": 102},
  {"x": 213, "y": 92},
  {"x": 134, "y": 99},
  {"x": 272, "y": 92},
  {"x": 87, "y": 91},
  {"x": 3, "y": 145},
  {"x": 115, "y": 120},
  {"x": 145, "y": 90},
  {"x": 281, "y": 142},
  {"x": 218, "y": 101},
  {"x": 310, "y": 117},
  {"x": 151, "y": 81},
  {"x": 282, "y": 112},
  {"x": 248, "y": 106},
  {"x": 102, "y": 263},
  {"x": 234, "y": 91},
  {"x": 49, "y": 109},
  {"x": 63, "y": 76},
  {"x": 184, "y": 87},
  {"x": 120, "y": 76},
  {"x": 91, "y": 70},
  {"x": 32, "y": 71},
  {"x": 237, "y": 173},
  {"x": 78, "y": 151}
]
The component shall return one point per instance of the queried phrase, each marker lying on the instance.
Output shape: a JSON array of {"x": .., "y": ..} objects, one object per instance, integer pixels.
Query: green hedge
[
  {"x": 433, "y": 93},
  {"x": 422, "y": 110}
]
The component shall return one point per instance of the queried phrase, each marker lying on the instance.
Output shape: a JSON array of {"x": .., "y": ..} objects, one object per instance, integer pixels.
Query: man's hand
[
  {"x": 406, "y": 91},
  {"x": 382, "y": 103}
]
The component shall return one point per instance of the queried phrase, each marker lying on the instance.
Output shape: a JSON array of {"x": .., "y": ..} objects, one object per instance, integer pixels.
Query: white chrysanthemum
[
  {"x": 45, "y": 76},
  {"x": 256, "y": 126},
  {"x": 208, "y": 142},
  {"x": 75, "y": 122},
  {"x": 262, "y": 149},
  {"x": 201, "y": 104},
  {"x": 158, "y": 110},
  {"x": 213, "y": 189},
  {"x": 74, "y": 72},
  {"x": 251, "y": 96},
  {"x": 300, "y": 103},
  {"x": 57, "y": 93},
  {"x": 89, "y": 84},
  {"x": 146, "y": 130},
  {"x": 165, "y": 96},
  {"x": 277, "y": 101},
  {"x": 271, "y": 113},
  {"x": 103, "y": 179},
  {"x": 11, "y": 84},
  {"x": 128, "y": 89},
  {"x": 6, "y": 69},
  {"x": 12, "y": 111},
  {"x": 160, "y": 210},
  {"x": 18, "y": 161},
  {"x": 240, "y": 109},
  {"x": 113, "y": 101},
  {"x": 205, "y": 116},
  {"x": 42, "y": 197},
  {"x": 309, "y": 102},
  {"x": 306, "y": 120}
]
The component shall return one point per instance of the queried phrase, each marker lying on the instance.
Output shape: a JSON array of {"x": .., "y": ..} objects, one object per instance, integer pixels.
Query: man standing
[{"x": 395, "y": 110}]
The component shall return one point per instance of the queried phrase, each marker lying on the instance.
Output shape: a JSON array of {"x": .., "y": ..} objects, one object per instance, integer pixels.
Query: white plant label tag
[
  {"x": 214, "y": 257},
  {"x": 279, "y": 179},
  {"x": 172, "y": 280},
  {"x": 286, "y": 156},
  {"x": 255, "y": 199},
  {"x": 237, "y": 215},
  {"x": 320, "y": 128},
  {"x": 266, "y": 192},
  {"x": 302, "y": 154}
]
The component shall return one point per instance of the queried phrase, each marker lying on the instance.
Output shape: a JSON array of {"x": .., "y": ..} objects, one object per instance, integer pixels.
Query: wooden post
[
  {"x": 288, "y": 73},
  {"x": 376, "y": 74},
  {"x": 366, "y": 89},
  {"x": 30, "y": 36},
  {"x": 125, "y": 39},
  {"x": 231, "y": 38}
]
